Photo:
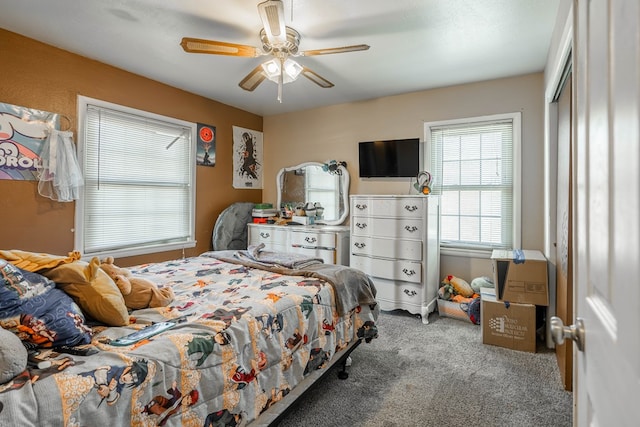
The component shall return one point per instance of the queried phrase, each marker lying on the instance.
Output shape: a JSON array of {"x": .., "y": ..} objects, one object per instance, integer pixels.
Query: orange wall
[{"x": 42, "y": 77}]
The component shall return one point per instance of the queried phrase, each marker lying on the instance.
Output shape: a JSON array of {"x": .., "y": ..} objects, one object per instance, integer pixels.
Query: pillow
[
  {"x": 93, "y": 290},
  {"x": 13, "y": 356},
  {"x": 14, "y": 288},
  {"x": 38, "y": 312}
]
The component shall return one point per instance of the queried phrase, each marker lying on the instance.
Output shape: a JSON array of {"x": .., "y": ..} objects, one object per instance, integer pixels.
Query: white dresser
[
  {"x": 329, "y": 242},
  {"x": 396, "y": 240}
]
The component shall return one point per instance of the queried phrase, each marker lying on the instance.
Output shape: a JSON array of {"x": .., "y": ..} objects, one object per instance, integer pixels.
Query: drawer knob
[
  {"x": 411, "y": 208},
  {"x": 359, "y": 245},
  {"x": 361, "y": 207},
  {"x": 310, "y": 239},
  {"x": 411, "y": 293},
  {"x": 408, "y": 272},
  {"x": 361, "y": 225},
  {"x": 411, "y": 228},
  {"x": 265, "y": 235}
]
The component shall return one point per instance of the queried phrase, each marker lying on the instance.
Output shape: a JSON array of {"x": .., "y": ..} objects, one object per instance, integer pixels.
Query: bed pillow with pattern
[{"x": 37, "y": 312}]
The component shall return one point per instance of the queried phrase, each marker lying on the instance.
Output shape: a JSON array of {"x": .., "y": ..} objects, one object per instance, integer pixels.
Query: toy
[
  {"x": 138, "y": 292},
  {"x": 460, "y": 286},
  {"x": 467, "y": 302},
  {"x": 481, "y": 282}
]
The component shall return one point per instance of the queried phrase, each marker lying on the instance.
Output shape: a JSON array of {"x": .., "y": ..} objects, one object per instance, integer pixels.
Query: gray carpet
[{"x": 438, "y": 374}]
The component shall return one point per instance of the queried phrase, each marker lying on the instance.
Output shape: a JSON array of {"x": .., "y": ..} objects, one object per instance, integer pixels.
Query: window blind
[
  {"x": 473, "y": 168},
  {"x": 139, "y": 182}
]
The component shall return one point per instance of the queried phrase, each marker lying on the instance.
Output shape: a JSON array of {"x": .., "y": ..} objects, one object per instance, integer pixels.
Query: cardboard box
[
  {"x": 509, "y": 325},
  {"x": 453, "y": 310},
  {"x": 521, "y": 276}
]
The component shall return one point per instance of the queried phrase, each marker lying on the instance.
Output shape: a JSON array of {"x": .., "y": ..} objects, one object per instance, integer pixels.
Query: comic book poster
[
  {"x": 206, "y": 153},
  {"x": 23, "y": 132},
  {"x": 247, "y": 158}
]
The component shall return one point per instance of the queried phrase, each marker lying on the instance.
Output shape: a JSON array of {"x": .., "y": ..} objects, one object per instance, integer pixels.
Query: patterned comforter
[{"x": 244, "y": 338}]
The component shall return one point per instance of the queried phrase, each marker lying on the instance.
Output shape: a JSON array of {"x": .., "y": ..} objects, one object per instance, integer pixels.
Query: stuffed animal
[
  {"x": 138, "y": 292},
  {"x": 460, "y": 286},
  {"x": 481, "y": 282}
]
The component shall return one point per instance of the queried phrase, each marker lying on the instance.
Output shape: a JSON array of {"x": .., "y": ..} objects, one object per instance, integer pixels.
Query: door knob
[{"x": 559, "y": 332}]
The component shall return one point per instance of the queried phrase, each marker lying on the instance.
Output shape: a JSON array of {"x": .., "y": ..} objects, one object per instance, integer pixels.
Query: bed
[{"x": 247, "y": 337}]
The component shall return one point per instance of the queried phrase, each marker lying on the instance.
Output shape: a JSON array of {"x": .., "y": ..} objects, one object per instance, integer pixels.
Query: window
[
  {"x": 476, "y": 168},
  {"x": 139, "y": 189}
]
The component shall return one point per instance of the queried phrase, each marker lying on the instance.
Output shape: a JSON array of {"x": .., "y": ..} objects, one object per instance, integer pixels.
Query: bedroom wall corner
[
  {"x": 46, "y": 78},
  {"x": 333, "y": 132}
]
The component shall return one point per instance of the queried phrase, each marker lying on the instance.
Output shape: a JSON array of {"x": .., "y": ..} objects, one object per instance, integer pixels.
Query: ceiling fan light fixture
[{"x": 291, "y": 70}]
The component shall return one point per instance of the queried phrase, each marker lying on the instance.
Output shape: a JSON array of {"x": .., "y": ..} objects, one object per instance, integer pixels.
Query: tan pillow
[{"x": 92, "y": 289}]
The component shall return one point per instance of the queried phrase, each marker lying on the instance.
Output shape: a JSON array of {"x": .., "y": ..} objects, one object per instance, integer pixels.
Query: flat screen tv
[{"x": 398, "y": 158}]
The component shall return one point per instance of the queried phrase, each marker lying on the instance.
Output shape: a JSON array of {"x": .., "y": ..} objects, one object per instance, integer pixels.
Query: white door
[{"x": 607, "y": 220}]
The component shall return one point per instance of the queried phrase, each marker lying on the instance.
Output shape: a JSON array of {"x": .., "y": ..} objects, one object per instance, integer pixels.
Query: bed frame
[{"x": 272, "y": 416}]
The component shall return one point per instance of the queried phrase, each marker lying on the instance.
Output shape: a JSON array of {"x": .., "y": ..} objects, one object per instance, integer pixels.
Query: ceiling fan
[{"x": 278, "y": 40}]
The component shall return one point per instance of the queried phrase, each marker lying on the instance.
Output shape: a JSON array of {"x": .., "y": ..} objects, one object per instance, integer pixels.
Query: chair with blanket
[{"x": 230, "y": 229}]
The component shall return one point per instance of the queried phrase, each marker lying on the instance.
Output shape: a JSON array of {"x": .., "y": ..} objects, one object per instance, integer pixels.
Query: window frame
[
  {"x": 516, "y": 217},
  {"x": 83, "y": 104}
]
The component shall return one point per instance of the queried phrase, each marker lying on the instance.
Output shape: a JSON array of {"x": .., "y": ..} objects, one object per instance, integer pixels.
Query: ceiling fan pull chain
[{"x": 280, "y": 80}]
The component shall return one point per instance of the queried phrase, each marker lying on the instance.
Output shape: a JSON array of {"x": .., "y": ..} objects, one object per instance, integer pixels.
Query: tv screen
[{"x": 389, "y": 159}]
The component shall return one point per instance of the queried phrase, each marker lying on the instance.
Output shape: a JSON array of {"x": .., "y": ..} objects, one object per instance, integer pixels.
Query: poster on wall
[
  {"x": 206, "y": 154},
  {"x": 23, "y": 132},
  {"x": 247, "y": 158}
]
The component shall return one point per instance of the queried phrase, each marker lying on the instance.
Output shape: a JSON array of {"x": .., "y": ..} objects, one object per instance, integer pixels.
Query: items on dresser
[
  {"x": 331, "y": 243},
  {"x": 396, "y": 240},
  {"x": 262, "y": 212}
]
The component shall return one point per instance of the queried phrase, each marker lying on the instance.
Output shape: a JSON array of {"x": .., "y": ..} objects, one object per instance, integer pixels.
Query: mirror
[{"x": 314, "y": 182}]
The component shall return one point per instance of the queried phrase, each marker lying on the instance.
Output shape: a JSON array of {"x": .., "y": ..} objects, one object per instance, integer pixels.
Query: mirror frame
[{"x": 345, "y": 180}]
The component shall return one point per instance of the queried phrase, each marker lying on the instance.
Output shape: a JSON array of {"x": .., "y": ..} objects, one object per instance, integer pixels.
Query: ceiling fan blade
[
  {"x": 316, "y": 78},
  {"x": 331, "y": 50},
  {"x": 253, "y": 79},
  {"x": 272, "y": 16},
  {"x": 192, "y": 45}
]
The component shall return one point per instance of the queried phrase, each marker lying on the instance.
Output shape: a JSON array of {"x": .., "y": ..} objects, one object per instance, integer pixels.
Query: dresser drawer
[
  {"x": 387, "y": 227},
  {"x": 387, "y": 248},
  {"x": 328, "y": 256},
  {"x": 274, "y": 238},
  {"x": 408, "y": 271},
  {"x": 403, "y": 207},
  {"x": 401, "y": 293},
  {"x": 310, "y": 239}
]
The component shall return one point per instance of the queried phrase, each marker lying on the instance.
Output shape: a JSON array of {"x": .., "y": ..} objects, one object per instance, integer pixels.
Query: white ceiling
[{"x": 415, "y": 44}]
